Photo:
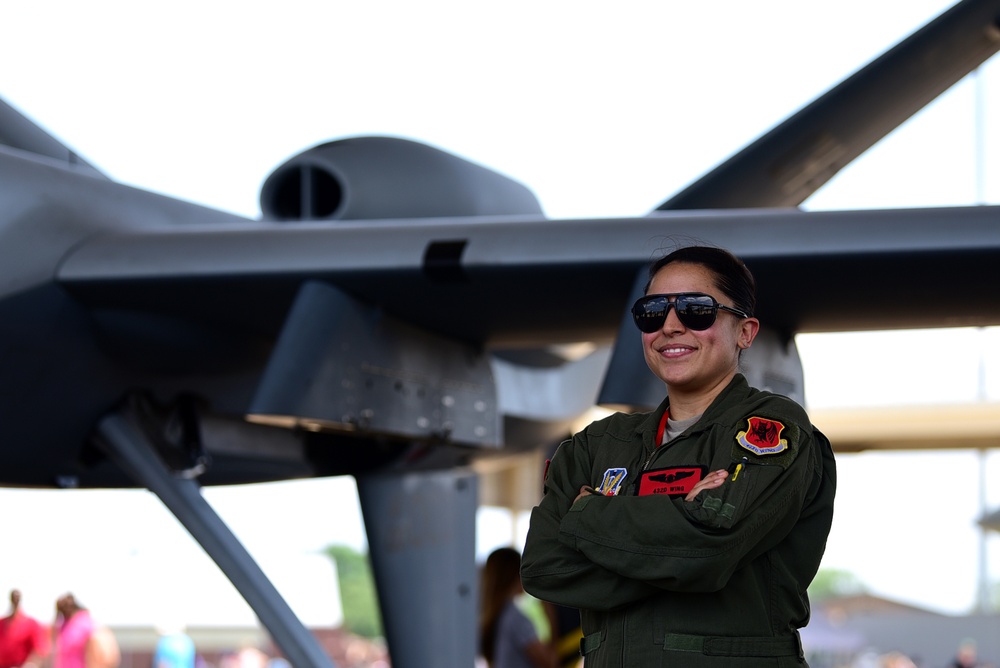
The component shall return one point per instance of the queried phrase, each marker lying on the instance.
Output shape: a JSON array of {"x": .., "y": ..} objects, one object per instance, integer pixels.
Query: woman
[
  {"x": 79, "y": 641},
  {"x": 688, "y": 536},
  {"x": 507, "y": 637}
]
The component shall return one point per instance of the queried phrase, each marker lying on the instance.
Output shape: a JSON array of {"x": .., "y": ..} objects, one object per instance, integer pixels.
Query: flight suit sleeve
[
  {"x": 696, "y": 546},
  {"x": 554, "y": 571}
]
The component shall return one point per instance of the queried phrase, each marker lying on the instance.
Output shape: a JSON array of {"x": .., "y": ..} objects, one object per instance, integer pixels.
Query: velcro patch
[
  {"x": 612, "y": 482},
  {"x": 674, "y": 481},
  {"x": 762, "y": 436}
]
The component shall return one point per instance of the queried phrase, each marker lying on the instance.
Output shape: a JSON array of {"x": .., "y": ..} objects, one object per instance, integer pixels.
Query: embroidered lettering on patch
[
  {"x": 676, "y": 481},
  {"x": 612, "y": 482},
  {"x": 763, "y": 436}
]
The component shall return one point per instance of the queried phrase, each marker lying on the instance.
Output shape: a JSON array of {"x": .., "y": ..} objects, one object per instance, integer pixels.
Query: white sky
[{"x": 602, "y": 110}]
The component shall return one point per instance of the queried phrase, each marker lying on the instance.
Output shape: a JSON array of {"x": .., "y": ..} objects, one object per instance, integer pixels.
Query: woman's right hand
[{"x": 711, "y": 481}]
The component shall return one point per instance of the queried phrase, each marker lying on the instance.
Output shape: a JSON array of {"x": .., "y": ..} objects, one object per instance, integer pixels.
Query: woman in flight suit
[{"x": 688, "y": 536}]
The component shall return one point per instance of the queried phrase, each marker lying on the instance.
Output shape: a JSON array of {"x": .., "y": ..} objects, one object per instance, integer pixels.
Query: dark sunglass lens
[
  {"x": 696, "y": 312},
  {"x": 649, "y": 313}
]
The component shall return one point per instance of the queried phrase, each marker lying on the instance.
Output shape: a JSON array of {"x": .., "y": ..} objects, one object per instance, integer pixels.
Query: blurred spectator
[
  {"x": 174, "y": 649},
  {"x": 80, "y": 642},
  {"x": 897, "y": 660},
  {"x": 967, "y": 656},
  {"x": 508, "y": 638},
  {"x": 23, "y": 640}
]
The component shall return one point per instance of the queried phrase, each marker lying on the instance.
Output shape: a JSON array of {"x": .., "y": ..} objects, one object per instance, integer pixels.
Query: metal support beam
[
  {"x": 132, "y": 449},
  {"x": 422, "y": 536}
]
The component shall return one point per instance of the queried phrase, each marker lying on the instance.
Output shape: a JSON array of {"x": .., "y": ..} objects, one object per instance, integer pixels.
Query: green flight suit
[{"x": 660, "y": 581}]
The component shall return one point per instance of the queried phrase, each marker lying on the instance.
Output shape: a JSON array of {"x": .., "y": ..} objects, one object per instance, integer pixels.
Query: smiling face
[{"x": 695, "y": 365}]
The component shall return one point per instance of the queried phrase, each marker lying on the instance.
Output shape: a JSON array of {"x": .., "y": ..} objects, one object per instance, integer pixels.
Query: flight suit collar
[{"x": 737, "y": 389}]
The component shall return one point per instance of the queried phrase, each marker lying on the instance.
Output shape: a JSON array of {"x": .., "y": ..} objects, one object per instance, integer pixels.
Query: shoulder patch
[
  {"x": 612, "y": 482},
  {"x": 762, "y": 436}
]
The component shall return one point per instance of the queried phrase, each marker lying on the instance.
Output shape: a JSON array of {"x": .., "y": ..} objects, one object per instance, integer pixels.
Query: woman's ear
[{"x": 748, "y": 332}]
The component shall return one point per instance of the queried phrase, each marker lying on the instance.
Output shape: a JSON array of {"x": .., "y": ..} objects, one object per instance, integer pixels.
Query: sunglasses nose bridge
[
  {"x": 673, "y": 312},
  {"x": 670, "y": 311}
]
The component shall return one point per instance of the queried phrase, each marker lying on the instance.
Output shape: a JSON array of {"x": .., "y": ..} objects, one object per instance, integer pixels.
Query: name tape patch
[{"x": 675, "y": 481}]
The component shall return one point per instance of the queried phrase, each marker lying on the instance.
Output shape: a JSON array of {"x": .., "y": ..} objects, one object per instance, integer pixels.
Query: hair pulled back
[{"x": 731, "y": 275}]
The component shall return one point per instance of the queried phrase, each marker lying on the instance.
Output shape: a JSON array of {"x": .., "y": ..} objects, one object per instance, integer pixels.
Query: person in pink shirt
[
  {"x": 73, "y": 629},
  {"x": 23, "y": 640}
]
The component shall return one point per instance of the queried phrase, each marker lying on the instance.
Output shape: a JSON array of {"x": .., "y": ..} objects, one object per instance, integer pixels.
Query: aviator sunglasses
[{"x": 695, "y": 310}]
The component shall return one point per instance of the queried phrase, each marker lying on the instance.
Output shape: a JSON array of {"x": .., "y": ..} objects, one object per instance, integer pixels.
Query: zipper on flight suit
[
  {"x": 635, "y": 490},
  {"x": 649, "y": 460},
  {"x": 657, "y": 444}
]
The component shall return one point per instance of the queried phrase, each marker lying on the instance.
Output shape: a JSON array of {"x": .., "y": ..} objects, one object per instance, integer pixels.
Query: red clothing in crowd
[{"x": 20, "y": 636}]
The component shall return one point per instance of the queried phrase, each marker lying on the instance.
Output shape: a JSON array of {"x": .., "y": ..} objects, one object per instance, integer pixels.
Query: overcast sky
[{"x": 603, "y": 110}]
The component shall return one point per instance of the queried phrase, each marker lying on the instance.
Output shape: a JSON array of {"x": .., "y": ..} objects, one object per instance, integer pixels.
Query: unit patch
[
  {"x": 612, "y": 482},
  {"x": 763, "y": 436},
  {"x": 675, "y": 481}
]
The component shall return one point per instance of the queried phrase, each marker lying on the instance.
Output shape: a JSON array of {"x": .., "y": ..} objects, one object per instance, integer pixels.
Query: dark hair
[
  {"x": 499, "y": 575},
  {"x": 731, "y": 275}
]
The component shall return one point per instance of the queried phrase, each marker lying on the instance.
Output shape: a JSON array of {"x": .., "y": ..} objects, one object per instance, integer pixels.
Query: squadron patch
[
  {"x": 762, "y": 436},
  {"x": 612, "y": 482}
]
